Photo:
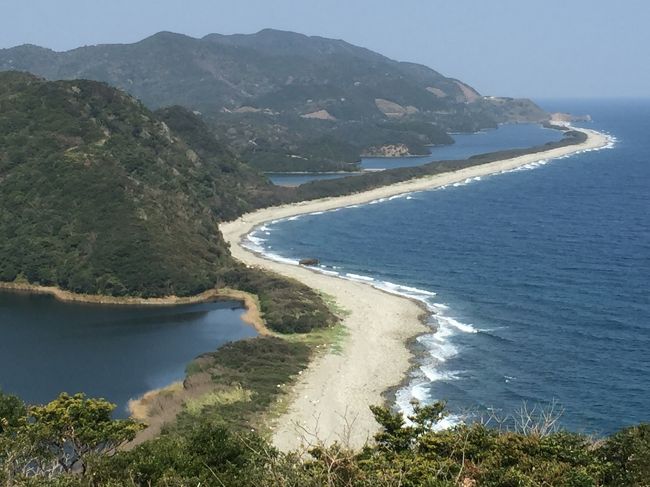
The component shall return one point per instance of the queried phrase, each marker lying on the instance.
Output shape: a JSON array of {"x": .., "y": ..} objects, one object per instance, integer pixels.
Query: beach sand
[{"x": 331, "y": 399}]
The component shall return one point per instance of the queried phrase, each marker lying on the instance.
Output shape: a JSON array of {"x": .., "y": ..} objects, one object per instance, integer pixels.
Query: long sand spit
[{"x": 331, "y": 399}]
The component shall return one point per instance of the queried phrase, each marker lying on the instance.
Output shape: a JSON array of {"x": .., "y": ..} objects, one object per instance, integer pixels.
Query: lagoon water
[
  {"x": 114, "y": 352},
  {"x": 517, "y": 136},
  {"x": 297, "y": 178},
  {"x": 541, "y": 277},
  {"x": 464, "y": 146}
]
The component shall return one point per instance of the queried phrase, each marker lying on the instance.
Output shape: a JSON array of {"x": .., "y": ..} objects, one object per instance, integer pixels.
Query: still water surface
[{"x": 115, "y": 352}]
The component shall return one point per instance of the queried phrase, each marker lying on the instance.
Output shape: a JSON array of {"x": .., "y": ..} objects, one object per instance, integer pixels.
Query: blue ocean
[{"x": 538, "y": 280}]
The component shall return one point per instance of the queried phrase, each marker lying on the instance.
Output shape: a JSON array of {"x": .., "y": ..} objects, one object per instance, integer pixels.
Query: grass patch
[
  {"x": 334, "y": 306},
  {"x": 218, "y": 398},
  {"x": 322, "y": 340},
  {"x": 287, "y": 305},
  {"x": 249, "y": 377}
]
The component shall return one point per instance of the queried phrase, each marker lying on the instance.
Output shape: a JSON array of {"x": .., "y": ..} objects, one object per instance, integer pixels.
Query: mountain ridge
[{"x": 259, "y": 93}]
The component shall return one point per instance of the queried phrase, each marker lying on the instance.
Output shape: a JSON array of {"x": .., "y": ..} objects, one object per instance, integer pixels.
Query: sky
[{"x": 533, "y": 48}]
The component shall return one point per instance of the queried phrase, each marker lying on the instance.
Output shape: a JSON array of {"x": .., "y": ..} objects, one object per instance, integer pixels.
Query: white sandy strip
[{"x": 332, "y": 397}]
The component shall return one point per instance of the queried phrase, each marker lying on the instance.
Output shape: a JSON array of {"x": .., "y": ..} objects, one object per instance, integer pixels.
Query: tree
[
  {"x": 12, "y": 409},
  {"x": 398, "y": 436},
  {"x": 71, "y": 428},
  {"x": 12, "y": 448},
  {"x": 627, "y": 453}
]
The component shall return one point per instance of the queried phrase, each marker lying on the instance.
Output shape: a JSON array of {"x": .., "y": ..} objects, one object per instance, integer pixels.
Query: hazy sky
[{"x": 536, "y": 48}]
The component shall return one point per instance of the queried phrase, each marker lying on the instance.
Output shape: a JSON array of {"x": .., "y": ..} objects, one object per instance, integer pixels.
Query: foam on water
[
  {"x": 329, "y": 273},
  {"x": 398, "y": 196},
  {"x": 407, "y": 291},
  {"x": 438, "y": 346},
  {"x": 253, "y": 242},
  {"x": 456, "y": 324},
  {"x": 358, "y": 277}
]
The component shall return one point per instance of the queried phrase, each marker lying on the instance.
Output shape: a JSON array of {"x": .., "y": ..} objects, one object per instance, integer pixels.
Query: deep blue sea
[{"x": 541, "y": 277}]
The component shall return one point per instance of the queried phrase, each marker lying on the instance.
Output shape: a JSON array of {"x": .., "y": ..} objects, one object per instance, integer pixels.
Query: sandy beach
[{"x": 330, "y": 401}]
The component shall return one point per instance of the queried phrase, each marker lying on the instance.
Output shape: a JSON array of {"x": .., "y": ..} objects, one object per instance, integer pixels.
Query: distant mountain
[
  {"x": 284, "y": 100},
  {"x": 100, "y": 195}
]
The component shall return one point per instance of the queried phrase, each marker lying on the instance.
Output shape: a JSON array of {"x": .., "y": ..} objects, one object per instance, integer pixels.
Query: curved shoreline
[
  {"x": 251, "y": 316},
  {"x": 330, "y": 401}
]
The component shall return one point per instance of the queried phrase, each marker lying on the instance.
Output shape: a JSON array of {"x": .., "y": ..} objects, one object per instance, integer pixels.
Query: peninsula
[{"x": 331, "y": 399}]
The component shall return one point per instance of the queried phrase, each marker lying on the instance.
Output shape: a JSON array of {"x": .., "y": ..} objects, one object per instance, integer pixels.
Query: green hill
[
  {"x": 97, "y": 195},
  {"x": 285, "y": 101}
]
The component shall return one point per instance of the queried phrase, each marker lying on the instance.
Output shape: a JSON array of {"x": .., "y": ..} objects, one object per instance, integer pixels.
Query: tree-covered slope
[
  {"x": 97, "y": 195},
  {"x": 272, "y": 69},
  {"x": 283, "y": 100}
]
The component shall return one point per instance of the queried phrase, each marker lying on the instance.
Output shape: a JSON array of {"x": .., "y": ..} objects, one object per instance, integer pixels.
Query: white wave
[
  {"x": 437, "y": 346},
  {"x": 447, "y": 422},
  {"x": 404, "y": 396},
  {"x": 328, "y": 272},
  {"x": 434, "y": 375},
  {"x": 256, "y": 242},
  {"x": 408, "y": 291},
  {"x": 317, "y": 213},
  {"x": 530, "y": 165},
  {"x": 279, "y": 258},
  {"x": 293, "y": 218},
  {"x": 465, "y": 182},
  {"x": 456, "y": 324},
  {"x": 420, "y": 392},
  {"x": 358, "y": 277},
  {"x": 380, "y": 200}
]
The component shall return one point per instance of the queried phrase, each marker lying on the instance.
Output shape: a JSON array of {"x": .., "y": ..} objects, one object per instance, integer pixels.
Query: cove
[{"x": 115, "y": 352}]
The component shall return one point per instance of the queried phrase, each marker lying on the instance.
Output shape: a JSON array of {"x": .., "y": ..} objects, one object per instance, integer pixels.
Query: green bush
[{"x": 288, "y": 306}]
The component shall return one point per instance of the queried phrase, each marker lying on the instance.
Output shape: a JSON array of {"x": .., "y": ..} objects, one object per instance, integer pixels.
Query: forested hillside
[{"x": 285, "y": 101}]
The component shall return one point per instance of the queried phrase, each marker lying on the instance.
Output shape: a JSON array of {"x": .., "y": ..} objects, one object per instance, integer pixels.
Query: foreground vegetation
[{"x": 71, "y": 442}]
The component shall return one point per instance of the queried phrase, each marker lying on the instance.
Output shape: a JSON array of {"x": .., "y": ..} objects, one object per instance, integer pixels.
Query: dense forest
[{"x": 99, "y": 196}]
